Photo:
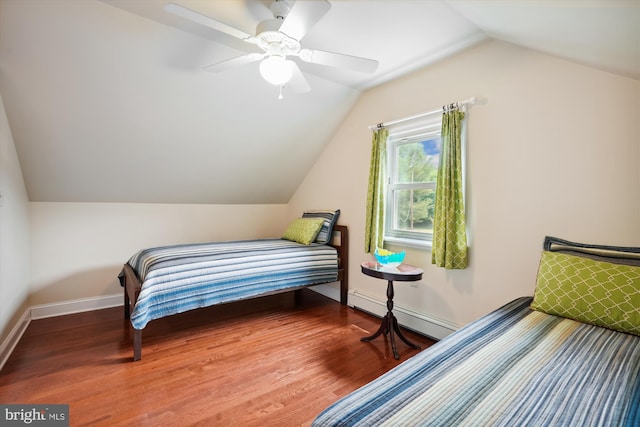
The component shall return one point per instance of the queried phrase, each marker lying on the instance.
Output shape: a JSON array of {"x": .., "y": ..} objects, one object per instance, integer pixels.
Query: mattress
[
  {"x": 512, "y": 367},
  {"x": 179, "y": 278}
]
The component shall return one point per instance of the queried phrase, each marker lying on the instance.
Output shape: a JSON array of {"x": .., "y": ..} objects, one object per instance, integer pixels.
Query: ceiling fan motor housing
[{"x": 269, "y": 39}]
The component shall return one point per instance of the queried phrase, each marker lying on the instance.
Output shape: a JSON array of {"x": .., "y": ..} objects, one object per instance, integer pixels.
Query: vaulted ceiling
[{"x": 108, "y": 100}]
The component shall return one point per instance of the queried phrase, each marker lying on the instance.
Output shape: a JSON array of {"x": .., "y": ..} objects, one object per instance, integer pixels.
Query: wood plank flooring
[{"x": 273, "y": 361}]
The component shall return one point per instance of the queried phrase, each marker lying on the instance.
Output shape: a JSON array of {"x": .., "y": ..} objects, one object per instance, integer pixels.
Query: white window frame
[{"x": 410, "y": 132}]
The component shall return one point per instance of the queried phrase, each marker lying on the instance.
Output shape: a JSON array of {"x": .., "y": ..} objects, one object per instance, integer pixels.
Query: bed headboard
[{"x": 613, "y": 254}]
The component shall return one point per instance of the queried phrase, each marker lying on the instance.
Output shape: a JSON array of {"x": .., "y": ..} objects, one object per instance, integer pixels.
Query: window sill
[{"x": 409, "y": 243}]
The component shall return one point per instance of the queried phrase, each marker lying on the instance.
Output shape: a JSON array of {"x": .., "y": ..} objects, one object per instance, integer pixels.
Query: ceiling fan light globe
[{"x": 276, "y": 70}]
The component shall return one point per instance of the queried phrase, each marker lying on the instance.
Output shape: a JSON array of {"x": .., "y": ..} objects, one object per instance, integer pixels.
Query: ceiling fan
[{"x": 277, "y": 40}]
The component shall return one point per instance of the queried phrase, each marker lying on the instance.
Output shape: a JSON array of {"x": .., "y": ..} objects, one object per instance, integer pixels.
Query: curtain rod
[{"x": 467, "y": 102}]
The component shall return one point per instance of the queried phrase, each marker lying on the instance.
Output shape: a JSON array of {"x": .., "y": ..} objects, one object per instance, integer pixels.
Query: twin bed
[
  {"x": 569, "y": 356},
  {"x": 163, "y": 281}
]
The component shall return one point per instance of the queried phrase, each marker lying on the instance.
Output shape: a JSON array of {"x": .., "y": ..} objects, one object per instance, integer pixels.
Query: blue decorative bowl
[{"x": 391, "y": 260}]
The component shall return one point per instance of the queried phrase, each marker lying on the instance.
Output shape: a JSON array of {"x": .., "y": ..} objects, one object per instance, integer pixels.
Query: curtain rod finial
[{"x": 479, "y": 100}]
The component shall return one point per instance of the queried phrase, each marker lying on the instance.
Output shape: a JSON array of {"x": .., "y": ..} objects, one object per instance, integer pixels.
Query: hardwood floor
[{"x": 271, "y": 361}]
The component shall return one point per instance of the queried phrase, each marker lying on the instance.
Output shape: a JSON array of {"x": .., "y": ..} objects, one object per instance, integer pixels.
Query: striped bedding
[
  {"x": 513, "y": 367},
  {"x": 179, "y": 278}
]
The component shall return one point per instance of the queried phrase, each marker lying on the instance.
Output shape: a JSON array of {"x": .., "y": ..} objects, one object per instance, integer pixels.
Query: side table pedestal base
[{"x": 389, "y": 326}]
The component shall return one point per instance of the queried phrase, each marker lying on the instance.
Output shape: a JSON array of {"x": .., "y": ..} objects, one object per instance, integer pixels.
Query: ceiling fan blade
[
  {"x": 339, "y": 60},
  {"x": 233, "y": 62},
  {"x": 302, "y": 16},
  {"x": 201, "y": 19},
  {"x": 298, "y": 82}
]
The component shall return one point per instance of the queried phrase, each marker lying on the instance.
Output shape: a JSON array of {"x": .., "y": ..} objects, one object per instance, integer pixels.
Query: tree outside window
[
  {"x": 413, "y": 168},
  {"x": 417, "y": 163}
]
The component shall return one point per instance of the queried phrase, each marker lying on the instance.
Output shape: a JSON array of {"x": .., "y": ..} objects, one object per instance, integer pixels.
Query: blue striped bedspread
[
  {"x": 513, "y": 367},
  {"x": 179, "y": 278}
]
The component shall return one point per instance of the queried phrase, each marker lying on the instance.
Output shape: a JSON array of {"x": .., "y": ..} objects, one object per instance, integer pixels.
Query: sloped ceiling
[{"x": 108, "y": 102}]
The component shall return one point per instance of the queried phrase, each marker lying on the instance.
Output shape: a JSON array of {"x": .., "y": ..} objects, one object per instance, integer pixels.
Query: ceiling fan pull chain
[{"x": 280, "y": 96}]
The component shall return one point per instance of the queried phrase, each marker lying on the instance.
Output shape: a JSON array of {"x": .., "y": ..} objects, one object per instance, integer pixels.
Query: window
[{"x": 413, "y": 153}]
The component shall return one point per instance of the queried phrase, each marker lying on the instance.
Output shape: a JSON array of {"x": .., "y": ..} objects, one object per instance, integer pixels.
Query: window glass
[
  {"x": 414, "y": 210},
  {"x": 418, "y": 160},
  {"x": 413, "y": 168}
]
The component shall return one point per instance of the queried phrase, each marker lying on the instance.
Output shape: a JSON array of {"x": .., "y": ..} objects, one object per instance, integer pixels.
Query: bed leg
[
  {"x": 137, "y": 344},
  {"x": 344, "y": 282},
  {"x": 344, "y": 293},
  {"x": 127, "y": 305}
]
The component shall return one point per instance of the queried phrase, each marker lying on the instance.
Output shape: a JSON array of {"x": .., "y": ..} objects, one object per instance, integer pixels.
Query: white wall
[
  {"x": 78, "y": 249},
  {"x": 14, "y": 232},
  {"x": 556, "y": 151}
]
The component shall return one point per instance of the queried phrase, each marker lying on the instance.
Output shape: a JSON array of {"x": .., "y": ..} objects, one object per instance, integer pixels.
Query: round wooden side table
[{"x": 389, "y": 325}]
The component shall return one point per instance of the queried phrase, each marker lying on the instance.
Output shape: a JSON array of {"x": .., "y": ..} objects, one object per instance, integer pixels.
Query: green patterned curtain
[
  {"x": 449, "y": 229},
  {"x": 374, "y": 226}
]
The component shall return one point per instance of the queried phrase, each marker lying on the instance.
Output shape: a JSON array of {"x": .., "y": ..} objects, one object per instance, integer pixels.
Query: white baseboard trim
[
  {"x": 76, "y": 306},
  {"x": 9, "y": 344},
  {"x": 43, "y": 311},
  {"x": 410, "y": 319},
  {"x": 327, "y": 291}
]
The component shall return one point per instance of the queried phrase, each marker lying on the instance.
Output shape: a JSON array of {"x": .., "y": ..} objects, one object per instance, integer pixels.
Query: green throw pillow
[
  {"x": 595, "y": 292},
  {"x": 303, "y": 230}
]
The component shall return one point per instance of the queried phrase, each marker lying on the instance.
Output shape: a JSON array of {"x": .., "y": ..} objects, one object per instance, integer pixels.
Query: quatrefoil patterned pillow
[{"x": 590, "y": 291}]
